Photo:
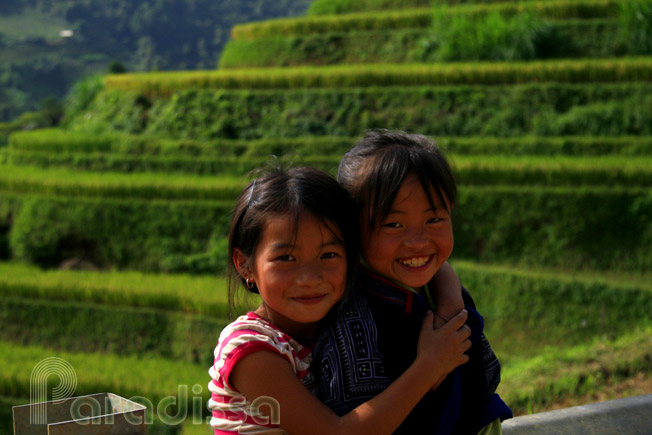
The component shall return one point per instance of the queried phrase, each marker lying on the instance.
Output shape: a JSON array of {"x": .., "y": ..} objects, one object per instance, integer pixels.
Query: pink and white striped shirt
[{"x": 232, "y": 412}]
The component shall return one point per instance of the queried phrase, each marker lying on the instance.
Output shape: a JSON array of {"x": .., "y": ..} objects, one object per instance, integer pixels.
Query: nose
[
  {"x": 416, "y": 238},
  {"x": 309, "y": 275}
]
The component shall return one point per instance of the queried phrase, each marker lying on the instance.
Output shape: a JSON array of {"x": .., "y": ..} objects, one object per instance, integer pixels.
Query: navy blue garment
[{"x": 373, "y": 340}]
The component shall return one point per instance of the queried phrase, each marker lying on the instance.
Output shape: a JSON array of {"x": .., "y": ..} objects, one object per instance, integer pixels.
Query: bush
[
  {"x": 555, "y": 39},
  {"x": 585, "y": 308},
  {"x": 491, "y": 37},
  {"x": 503, "y": 111},
  {"x": 527, "y": 225},
  {"x": 113, "y": 233},
  {"x": 9, "y": 206},
  {"x": 550, "y": 227},
  {"x": 83, "y": 327},
  {"x": 636, "y": 25},
  {"x": 81, "y": 94}
]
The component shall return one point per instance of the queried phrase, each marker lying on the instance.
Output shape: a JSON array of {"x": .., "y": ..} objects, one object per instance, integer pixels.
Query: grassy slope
[
  {"x": 30, "y": 23},
  {"x": 594, "y": 368}
]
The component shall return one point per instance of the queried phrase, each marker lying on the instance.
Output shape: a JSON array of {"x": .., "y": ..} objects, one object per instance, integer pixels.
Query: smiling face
[
  {"x": 300, "y": 274},
  {"x": 413, "y": 241}
]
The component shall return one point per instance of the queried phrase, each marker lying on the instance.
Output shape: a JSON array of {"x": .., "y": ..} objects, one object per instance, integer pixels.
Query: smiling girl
[
  {"x": 404, "y": 192},
  {"x": 292, "y": 241}
]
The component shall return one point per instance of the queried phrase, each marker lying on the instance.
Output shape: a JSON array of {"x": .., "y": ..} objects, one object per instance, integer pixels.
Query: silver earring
[{"x": 250, "y": 284}]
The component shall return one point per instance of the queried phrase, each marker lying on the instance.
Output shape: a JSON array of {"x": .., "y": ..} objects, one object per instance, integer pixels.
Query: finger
[
  {"x": 428, "y": 321},
  {"x": 464, "y": 332},
  {"x": 466, "y": 345},
  {"x": 458, "y": 320}
]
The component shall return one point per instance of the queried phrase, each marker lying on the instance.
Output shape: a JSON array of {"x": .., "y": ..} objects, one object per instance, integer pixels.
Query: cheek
[
  {"x": 271, "y": 277},
  {"x": 337, "y": 277},
  {"x": 445, "y": 241}
]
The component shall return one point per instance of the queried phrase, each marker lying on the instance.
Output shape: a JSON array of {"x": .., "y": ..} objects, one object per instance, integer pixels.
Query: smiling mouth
[
  {"x": 309, "y": 299},
  {"x": 415, "y": 261}
]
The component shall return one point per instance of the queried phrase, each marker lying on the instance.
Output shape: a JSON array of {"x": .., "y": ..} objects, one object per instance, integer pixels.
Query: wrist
[{"x": 427, "y": 370}]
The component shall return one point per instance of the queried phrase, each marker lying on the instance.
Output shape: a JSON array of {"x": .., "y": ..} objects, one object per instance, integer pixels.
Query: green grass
[
  {"x": 129, "y": 163},
  {"x": 56, "y": 142},
  {"x": 527, "y": 308},
  {"x": 594, "y": 38},
  {"x": 584, "y": 146},
  {"x": 146, "y": 380},
  {"x": 164, "y": 84},
  {"x": 471, "y": 170},
  {"x": 30, "y": 180},
  {"x": 551, "y": 171},
  {"x": 422, "y": 17},
  {"x": 32, "y": 23},
  {"x": 558, "y": 374},
  {"x": 327, "y": 7},
  {"x": 529, "y": 384},
  {"x": 185, "y": 293},
  {"x": 79, "y": 326}
]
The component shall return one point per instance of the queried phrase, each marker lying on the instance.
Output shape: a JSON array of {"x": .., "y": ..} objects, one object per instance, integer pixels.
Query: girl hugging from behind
[
  {"x": 404, "y": 193},
  {"x": 293, "y": 241}
]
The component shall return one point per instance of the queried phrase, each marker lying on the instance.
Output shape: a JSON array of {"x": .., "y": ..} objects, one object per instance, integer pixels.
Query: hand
[{"x": 441, "y": 350}]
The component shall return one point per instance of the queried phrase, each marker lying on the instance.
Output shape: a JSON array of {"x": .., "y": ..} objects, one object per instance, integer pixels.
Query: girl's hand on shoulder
[{"x": 442, "y": 350}]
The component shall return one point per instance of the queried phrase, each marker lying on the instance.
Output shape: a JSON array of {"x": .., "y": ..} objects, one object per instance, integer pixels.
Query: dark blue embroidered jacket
[{"x": 373, "y": 340}]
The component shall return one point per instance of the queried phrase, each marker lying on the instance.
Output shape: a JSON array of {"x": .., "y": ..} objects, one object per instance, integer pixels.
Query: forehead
[
  {"x": 412, "y": 193},
  {"x": 304, "y": 228}
]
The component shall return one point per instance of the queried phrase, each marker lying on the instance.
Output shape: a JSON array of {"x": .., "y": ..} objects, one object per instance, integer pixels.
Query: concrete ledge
[{"x": 632, "y": 415}]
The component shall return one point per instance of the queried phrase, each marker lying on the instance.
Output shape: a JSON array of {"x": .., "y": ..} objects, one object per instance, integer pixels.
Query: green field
[
  {"x": 32, "y": 24},
  {"x": 553, "y": 223}
]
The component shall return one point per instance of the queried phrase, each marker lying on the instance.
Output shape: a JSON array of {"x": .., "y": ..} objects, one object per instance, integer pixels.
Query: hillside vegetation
[
  {"x": 543, "y": 107},
  {"x": 37, "y": 63}
]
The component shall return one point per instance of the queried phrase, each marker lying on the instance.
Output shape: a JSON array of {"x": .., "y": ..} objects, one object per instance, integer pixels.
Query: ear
[{"x": 242, "y": 263}]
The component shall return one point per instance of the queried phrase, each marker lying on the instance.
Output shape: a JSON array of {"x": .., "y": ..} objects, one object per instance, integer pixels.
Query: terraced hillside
[{"x": 551, "y": 144}]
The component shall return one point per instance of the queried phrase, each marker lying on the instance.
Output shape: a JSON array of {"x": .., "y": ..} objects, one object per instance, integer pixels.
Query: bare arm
[
  {"x": 447, "y": 293},
  {"x": 269, "y": 374}
]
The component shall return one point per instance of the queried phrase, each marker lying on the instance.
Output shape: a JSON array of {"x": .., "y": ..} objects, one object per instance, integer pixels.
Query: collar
[{"x": 404, "y": 297}]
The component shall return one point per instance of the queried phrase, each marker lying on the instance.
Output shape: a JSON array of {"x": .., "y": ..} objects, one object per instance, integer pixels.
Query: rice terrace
[{"x": 543, "y": 106}]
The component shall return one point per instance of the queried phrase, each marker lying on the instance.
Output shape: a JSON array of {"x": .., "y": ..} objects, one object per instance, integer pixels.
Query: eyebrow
[
  {"x": 334, "y": 242},
  {"x": 429, "y": 209},
  {"x": 282, "y": 246}
]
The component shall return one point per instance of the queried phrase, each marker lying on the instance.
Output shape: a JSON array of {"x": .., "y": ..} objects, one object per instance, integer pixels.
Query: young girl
[
  {"x": 404, "y": 191},
  {"x": 290, "y": 240}
]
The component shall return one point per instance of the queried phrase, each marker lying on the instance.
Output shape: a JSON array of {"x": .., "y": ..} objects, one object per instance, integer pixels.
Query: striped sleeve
[{"x": 231, "y": 411}]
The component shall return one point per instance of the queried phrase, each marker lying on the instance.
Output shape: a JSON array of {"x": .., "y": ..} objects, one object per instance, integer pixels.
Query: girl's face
[
  {"x": 413, "y": 241},
  {"x": 300, "y": 275}
]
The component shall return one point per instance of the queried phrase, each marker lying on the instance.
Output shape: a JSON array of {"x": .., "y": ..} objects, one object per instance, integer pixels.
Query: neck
[{"x": 304, "y": 333}]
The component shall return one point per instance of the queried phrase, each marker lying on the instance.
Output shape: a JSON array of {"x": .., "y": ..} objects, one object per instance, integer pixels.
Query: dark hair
[
  {"x": 292, "y": 192},
  {"x": 375, "y": 168}
]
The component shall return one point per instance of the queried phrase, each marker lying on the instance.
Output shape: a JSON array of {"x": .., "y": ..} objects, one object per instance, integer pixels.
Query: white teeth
[{"x": 415, "y": 262}]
